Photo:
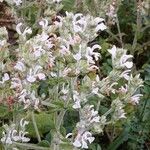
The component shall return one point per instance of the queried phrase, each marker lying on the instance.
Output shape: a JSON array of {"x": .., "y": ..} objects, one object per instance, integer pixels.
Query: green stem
[
  {"x": 108, "y": 112},
  {"x": 98, "y": 105},
  {"x": 138, "y": 28},
  {"x": 119, "y": 31},
  {"x": 35, "y": 126},
  {"x": 96, "y": 6},
  {"x": 113, "y": 35},
  {"x": 30, "y": 146},
  {"x": 60, "y": 119}
]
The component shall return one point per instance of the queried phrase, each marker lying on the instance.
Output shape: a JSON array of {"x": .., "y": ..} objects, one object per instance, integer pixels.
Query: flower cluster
[
  {"x": 60, "y": 56},
  {"x": 88, "y": 117},
  {"x": 11, "y": 133}
]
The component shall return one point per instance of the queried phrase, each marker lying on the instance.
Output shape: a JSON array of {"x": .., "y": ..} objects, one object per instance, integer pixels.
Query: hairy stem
[
  {"x": 30, "y": 146},
  {"x": 35, "y": 126},
  {"x": 119, "y": 31},
  {"x": 138, "y": 26}
]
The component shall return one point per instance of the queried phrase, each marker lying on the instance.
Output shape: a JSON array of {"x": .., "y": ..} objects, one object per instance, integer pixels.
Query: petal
[
  {"x": 77, "y": 56},
  {"x": 101, "y": 27},
  {"x": 31, "y": 79},
  {"x": 77, "y": 143},
  {"x": 84, "y": 144},
  {"x": 41, "y": 76},
  {"x": 18, "y": 28},
  {"x": 96, "y": 46},
  {"x": 113, "y": 51},
  {"x": 129, "y": 64},
  {"x": 91, "y": 139},
  {"x": 98, "y": 20},
  {"x": 6, "y": 77}
]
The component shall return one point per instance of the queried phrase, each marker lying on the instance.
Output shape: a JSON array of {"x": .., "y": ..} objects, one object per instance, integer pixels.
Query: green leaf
[
  {"x": 44, "y": 143},
  {"x": 48, "y": 137},
  {"x": 44, "y": 123},
  {"x": 66, "y": 147},
  {"x": 118, "y": 141},
  {"x": 68, "y": 5},
  {"x": 98, "y": 147},
  {"x": 3, "y": 111}
]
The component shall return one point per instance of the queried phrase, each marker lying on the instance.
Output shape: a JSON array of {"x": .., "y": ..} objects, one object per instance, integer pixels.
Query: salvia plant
[{"x": 59, "y": 56}]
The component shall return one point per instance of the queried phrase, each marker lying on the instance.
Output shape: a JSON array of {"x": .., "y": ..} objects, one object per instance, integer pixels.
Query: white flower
[
  {"x": 74, "y": 40},
  {"x": 83, "y": 139},
  {"x": 97, "y": 78},
  {"x": 98, "y": 20},
  {"x": 76, "y": 100},
  {"x": 65, "y": 72},
  {"x": 68, "y": 135},
  {"x": 124, "y": 89},
  {"x": 58, "y": 24},
  {"x": 42, "y": 37},
  {"x": 22, "y": 95},
  {"x": 77, "y": 143},
  {"x": 64, "y": 90},
  {"x": 22, "y": 137},
  {"x": 31, "y": 78},
  {"x": 128, "y": 64},
  {"x": 95, "y": 90},
  {"x": 35, "y": 100},
  {"x": 57, "y": 1},
  {"x": 16, "y": 83},
  {"x": 119, "y": 112},
  {"x": 78, "y": 56},
  {"x": 23, "y": 123},
  {"x": 113, "y": 51},
  {"x": 120, "y": 61},
  {"x": 15, "y": 137},
  {"x": 53, "y": 74},
  {"x": 2, "y": 42},
  {"x": 38, "y": 51},
  {"x": 17, "y": 2},
  {"x": 90, "y": 52},
  {"x": 11, "y": 134},
  {"x": 65, "y": 49},
  {"x": 124, "y": 62},
  {"x": 20, "y": 66},
  {"x": 125, "y": 74},
  {"x": 44, "y": 23},
  {"x": 26, "y": 31},
  {"x": 5, "y": 78},
  {"x": 95, "y": 119},
  {"x": 41, "y": 76},
  {"x": 93, "y": 68},
  {"x": 76, "y": 104},
  {"x": 93, "y": 116},
  {"x": 23, "y": 98},
  {"x": 79, "y": 23},
  {"x": 34, "y": 73},
  {"x": 101, "y": 27},
  {"x": 49, "y": 44},
  {"x": 6, "y": 138},
  {"x": 136, "y": 98}
]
